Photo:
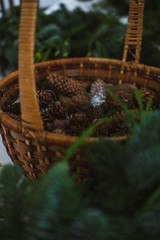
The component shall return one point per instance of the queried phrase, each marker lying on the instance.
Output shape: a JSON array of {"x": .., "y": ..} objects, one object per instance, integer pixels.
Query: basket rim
[
  {"x": 65, "y": 139},
  {"x": 64, "y": 61}
]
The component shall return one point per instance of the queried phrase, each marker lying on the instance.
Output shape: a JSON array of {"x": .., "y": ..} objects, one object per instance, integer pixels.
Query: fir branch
[
  {"x": 53, "y": 205},
  {"x": 142, "y": 114},
  {"x": 86, "y": 134},
  {"x": 13, "y": 189},
  {"x": 139, "y": 115},
  {"x": 139, "y": 97},
  {"x": 92, "y": 224},
  {"x": 131, "y": 118},
  {"x": 117, "y": 99},
  {"x": 149, "y": 105},
  {"x": 149, "y": 203}
]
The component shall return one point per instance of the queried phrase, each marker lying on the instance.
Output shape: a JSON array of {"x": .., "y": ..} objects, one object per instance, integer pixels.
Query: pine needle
[{"x": 86, "y": 134}]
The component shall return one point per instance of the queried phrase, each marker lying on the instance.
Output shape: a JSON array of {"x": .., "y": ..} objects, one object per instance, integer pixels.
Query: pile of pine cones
[{"x": 69, "y": 108}]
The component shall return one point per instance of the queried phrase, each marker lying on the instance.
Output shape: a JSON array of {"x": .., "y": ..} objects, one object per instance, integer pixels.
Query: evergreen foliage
[
  {"x": 86, "y": 134},
  {"x": 138, "y": 114},
  {"x": 64, "y": 34},
  {"x": 131, "y": 170},
  {"x": 56, "y": 203},
  {"x": 9, "y": 41},
  {"x": 98, "y": 33},
  {"x": 150, "y": 53},
  {"x": 13, "y": 190},
  {"x": 121, "y": 199}
]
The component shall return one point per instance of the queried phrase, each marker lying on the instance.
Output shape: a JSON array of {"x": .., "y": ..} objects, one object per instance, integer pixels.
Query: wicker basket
[{"x": 26, "y": 142}]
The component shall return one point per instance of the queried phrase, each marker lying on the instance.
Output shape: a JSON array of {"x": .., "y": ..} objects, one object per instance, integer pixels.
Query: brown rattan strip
[
  {"x": 133, "y": 39},
  {"x": 29, "y": 102}
]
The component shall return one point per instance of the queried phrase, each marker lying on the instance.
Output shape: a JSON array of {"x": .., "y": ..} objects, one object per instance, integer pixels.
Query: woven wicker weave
[{"x": 26, "y": 142}]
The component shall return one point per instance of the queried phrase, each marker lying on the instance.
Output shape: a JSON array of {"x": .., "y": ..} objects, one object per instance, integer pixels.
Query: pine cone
[
  {"x": 46, "y": 98},
  {"x": 59, "y": 131},
  {"x": 116, "y": 127},
  {"x": 77, "y": 118},
  {"x": 60, "y": 124},
  {"x": 126, "y": 93},
  {"x": 47, "y": 118},
  {"x": 77, "y": 123},
  {"x": 147, "y": 94},
  {"x": 95, "y": 112},
  {"x": 101, "y": 130},
  {"x": 58, "y": 111},
  {"x": 12, "y": 96},
  {"x": 111, "y": 104},
  {"x": 76, "y": 103},
  {"x": 57, "y": 124},
  {"x": 80, "y": 102},
  {"x": 65, "y": 86},
  {"x": 98, "y": 93}
]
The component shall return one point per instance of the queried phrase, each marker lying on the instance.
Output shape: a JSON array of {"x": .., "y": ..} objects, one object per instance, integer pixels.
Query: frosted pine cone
[
  {"x": 98, "y": 93},
  {"x": 65, "y": 86}
]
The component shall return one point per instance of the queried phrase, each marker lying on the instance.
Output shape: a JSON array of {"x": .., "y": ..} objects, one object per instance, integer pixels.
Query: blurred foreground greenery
[{"x": 119, "y": 201}]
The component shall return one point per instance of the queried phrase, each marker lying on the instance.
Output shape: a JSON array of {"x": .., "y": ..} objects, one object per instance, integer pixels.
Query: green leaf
[
  {"x": 50, "y": 29},
  {"x": 55, "y": 39}
]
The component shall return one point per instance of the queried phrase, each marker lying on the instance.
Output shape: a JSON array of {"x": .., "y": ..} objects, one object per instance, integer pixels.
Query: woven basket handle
[
  {"x": 133, "y": 40},
  {"x": 31, "y": 116}
]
